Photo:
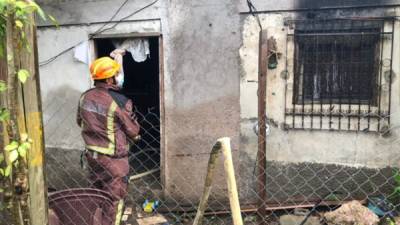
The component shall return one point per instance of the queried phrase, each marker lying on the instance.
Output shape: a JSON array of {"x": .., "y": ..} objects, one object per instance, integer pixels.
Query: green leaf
[
  {"x": 22, "y": 152},
  {"x": 1, "y": 190},
  {"x": 4, "y": 115},
  {"x": 397, "y": 177},
  {"x": 53, "y": 20},
  {"x": 24, "y": 8},
  {"x": 23, "y": 149},
  {"x": 2, "y": 172},
  {"x": 2, "y": 4},
  {"x": 13, "y": 156},
  {"x": 38, "y": 10},
  {"x": 12, "y": 146},
  {"x": 332, "y": 197},
  {"x": 3, "y": 85},
  {"x": 7, "y": 171},
  {"x": 23, "y": 75},
  {"x": 1, "y": 158},
  {"x": 21, "y": 4},
  {"x": 19, "y": 24}
]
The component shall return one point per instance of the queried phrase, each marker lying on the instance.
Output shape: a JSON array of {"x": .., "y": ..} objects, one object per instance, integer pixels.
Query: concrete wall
[
  {"x": 211, "y": 59},
  {"x": 297, "y": 149},
  {"x": 63, "y": 80},
  {"x": 201, "y": 57}
]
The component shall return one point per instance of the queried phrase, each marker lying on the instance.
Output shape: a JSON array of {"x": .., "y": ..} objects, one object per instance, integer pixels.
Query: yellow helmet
[{"x": 103, "y": 68}]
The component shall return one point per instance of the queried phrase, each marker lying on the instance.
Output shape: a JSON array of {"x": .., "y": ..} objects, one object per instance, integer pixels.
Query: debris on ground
[
  {"x": 351, "y": 213},
  {"x": 250, "y": 219},
  {"x": 296, "y": 220},
  {"x": 124, "y": 218},
  {"x": 128, "y": 211},
  {"x": 152, "y": 220}
]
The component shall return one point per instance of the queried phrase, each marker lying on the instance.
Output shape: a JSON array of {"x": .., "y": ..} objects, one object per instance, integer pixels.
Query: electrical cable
[
  {"x": 43, "y": 63},
  {"x": 115, "y": 14},
  {"x": 126, "y": 17},
  {"x": 51, "y": 59},
  {"x": 70, "y": 48},
  {"x": 252, "y": 10}
]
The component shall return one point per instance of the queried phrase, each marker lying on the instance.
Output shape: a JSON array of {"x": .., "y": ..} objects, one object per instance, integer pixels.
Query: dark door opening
[{"x": 143, "y": 87}]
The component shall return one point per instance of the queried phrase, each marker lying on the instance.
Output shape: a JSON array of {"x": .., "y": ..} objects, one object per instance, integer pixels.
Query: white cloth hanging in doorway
[
  {"x": 138, "y": 47},
  {"x": 82, "y": 53}
]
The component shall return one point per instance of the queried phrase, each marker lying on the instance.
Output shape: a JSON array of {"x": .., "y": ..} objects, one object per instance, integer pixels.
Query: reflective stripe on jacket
[{"x": 107, "y": 122}]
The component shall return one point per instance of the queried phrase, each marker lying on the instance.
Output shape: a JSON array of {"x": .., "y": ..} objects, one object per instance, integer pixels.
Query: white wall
[{"x": 63, "y": 81}]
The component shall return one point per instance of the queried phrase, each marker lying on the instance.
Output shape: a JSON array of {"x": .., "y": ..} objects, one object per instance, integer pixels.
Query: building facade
[{"x": 332, "y": 92}]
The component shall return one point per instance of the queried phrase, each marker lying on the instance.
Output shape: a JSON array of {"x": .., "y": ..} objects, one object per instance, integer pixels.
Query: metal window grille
[{"x": 342, "y": 75}]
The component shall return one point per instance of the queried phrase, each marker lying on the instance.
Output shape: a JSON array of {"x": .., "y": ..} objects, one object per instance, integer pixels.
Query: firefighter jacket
[{"x": 107, "y": 120}]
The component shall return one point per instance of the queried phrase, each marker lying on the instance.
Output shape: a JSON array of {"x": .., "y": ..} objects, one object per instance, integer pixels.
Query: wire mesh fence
[
  {"x": 314, "y": 188},
  {"x": 297, "y": 192},
  {"x": 303, "y": 190}
]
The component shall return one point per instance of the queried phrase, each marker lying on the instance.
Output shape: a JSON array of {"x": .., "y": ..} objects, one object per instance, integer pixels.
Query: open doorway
[{"x": 142, "y": 86}]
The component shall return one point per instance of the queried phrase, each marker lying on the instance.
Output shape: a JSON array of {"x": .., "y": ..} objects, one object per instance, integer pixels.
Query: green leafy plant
[
  {"x": 21, "y": 11},
  {"x": 16, "y": 16},
  {"x": 16, "y": 151},
  {"x": 23, "y": 75},
  {"x": 394, "y": 197}
]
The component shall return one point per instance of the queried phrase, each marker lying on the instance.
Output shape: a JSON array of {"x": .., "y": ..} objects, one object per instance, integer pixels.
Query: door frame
[{"x": 161, "y": 85}]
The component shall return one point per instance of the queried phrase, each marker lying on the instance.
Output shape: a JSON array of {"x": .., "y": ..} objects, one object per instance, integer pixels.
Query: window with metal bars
[
  {"x": 340, "y": 67},
  {"x": 342, "y": 74}
]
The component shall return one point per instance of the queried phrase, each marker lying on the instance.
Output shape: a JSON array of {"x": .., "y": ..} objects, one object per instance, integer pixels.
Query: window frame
[{"x": 299, "y": 77}]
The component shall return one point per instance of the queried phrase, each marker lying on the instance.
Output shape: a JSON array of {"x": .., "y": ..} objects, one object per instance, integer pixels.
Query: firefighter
[{"x": 108, "y": 127}]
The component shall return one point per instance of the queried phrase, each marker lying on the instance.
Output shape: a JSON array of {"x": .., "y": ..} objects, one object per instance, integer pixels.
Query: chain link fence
[
  {"x": 299, "y": 190},
  {"x": 293, "y": 191}
]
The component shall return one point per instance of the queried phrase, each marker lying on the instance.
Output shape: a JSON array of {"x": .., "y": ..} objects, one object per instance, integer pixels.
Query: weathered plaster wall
[
  {"x": 95, "y": 11},
  {"x": 201, "y": 45},
  {"x": 297, "y": 149},
  {"x": 63, "y": 80},
  {"x": 204, "y": 87}
]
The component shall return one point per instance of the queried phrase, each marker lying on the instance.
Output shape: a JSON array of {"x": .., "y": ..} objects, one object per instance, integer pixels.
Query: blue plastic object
[{"x": 381, "y": 207}]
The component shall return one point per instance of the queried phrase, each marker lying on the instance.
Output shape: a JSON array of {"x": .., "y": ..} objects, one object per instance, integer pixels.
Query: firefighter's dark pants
[{"x": 110, "y": 175}]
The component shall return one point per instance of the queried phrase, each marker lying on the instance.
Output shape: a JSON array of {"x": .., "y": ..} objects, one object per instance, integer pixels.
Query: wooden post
[
  {"x": 262, "y": 134},
  {"x": 230, "y": 178},
  {"x": 34, "y": 126},
  {"x": 12, "y": 82},
  {"x": 12, "y": 95},
  {"x": 224, "y": 145},
  {"x": 23, "y": 102},
  {"x": 207, "y": 186}
]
